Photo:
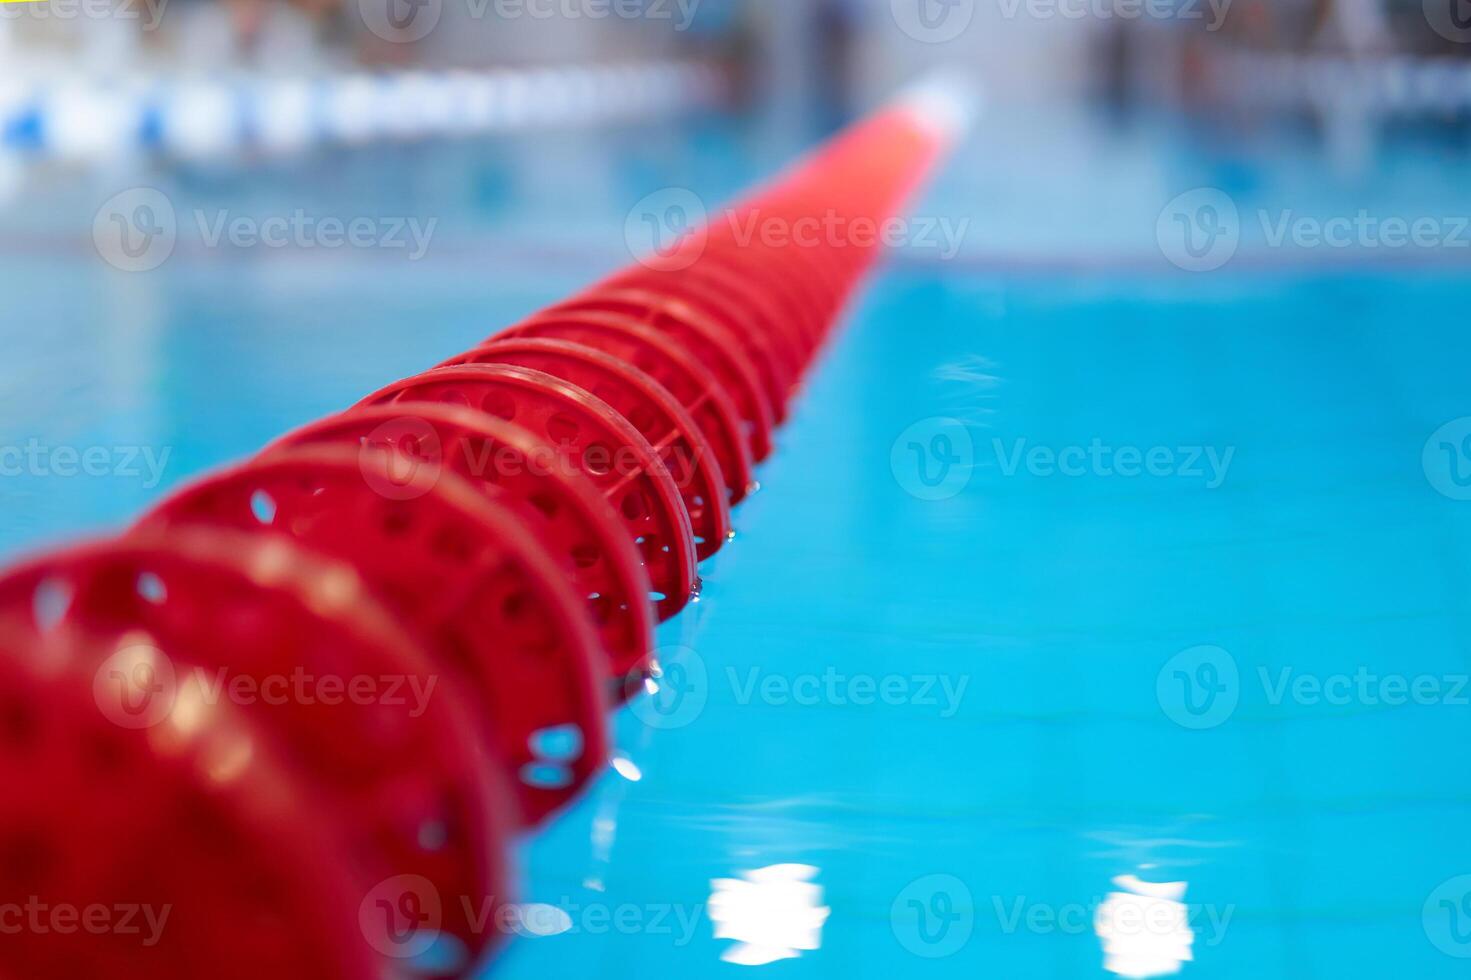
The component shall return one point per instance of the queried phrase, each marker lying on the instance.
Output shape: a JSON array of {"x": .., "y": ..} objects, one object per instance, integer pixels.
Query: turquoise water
[{"x": 1071, "y": 566}]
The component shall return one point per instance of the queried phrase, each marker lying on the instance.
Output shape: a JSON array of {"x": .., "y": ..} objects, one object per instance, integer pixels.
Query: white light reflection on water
[
  {"x": 1145, "y": 929},
  {"x": 773, "y": 913}
]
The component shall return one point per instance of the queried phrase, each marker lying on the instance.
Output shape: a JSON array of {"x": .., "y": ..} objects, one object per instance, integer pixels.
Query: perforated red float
[
  {"x": 668, "y": 362},
  {"x": 771, "y": 329},
  {"x": 750, "y": 289},
  {"x": 648, "y": 406},
  {"x": 593, "y": 439},
  {"x": 715, "y": 346},
  {"x": 196, "y": 845},
  {"x": 557, "y": 503},
  {"x": 463, "y": 571}
]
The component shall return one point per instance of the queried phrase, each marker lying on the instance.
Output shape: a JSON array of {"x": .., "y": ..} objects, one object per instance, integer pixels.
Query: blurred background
[{"x": 97, "y": 74}]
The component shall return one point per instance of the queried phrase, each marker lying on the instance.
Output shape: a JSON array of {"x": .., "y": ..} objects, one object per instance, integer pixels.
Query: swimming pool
[{"x": 1075, "y": 569}]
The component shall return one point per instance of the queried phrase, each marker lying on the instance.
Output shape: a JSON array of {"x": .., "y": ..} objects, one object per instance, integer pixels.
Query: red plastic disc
[
  {"x": 787, "y": 275},
  {"x": 668, "y": 362},
  {"x": 211, "y": 618},
  {"x": 463, "y": 571},
  {"x": 787, "y": 278},
  {"x": 730, "y": 300},
  {"x": 707, "y": 340},
  {"x": 774, "y": 388},
  {"x": 513, "y": 467},
  {"x": 648, "y": 405},
  {"x": 190, "y": 849},
  {"x": 592, "y": 438}
]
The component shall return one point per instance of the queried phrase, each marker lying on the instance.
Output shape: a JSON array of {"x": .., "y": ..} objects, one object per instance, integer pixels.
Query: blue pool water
[{"x": 1074, "y": 571}]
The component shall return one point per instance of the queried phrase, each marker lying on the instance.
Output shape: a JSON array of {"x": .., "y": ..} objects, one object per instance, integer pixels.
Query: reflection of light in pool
[
  {"x": 538, "y": 920},
  {"x": 627, "y": 768},
  {"x": 773, "y": 913},
  {"x": 1145, "y": 929}
]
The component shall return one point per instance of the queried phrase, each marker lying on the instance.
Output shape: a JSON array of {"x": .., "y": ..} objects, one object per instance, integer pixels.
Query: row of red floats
[{"x": 305, "y": 703}]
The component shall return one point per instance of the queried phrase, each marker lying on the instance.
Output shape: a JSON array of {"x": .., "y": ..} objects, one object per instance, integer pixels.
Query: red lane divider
[
  {"x": 245, "y": 876},
  {"x": 673, "y": 366},
  {"x": 721, "y": 348},
  {"x": 600, "y": 443},
  {"x": 303, "y": 706},
  {"x": 127, "y": 616},
  {"x": 561, "y": 507},
  {"x": 463, "y": 572},
  {"x": 649, "y": 407}
]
